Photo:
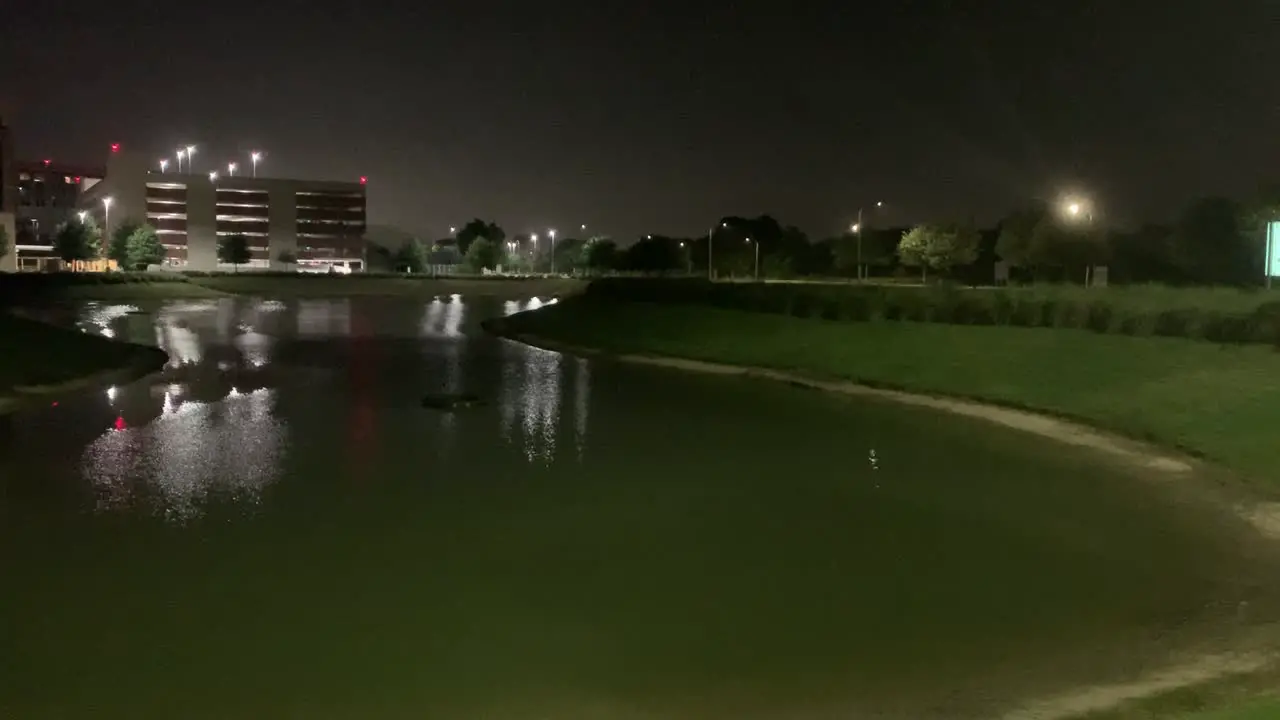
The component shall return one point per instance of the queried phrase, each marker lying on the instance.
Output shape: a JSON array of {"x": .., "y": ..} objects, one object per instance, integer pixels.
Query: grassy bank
[
  {"x": 1215, "y": 314},
  {"x": 39, "y": 359},
  {"x": 36, "y": 288},
  {"x": 1218, "y": 401}
]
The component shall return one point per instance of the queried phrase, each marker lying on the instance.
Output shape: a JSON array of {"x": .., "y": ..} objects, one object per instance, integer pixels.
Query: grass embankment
[
  {"x": 1218, "y": 401},
  {"x": 37, "y": 288},
  {"x": 40, "y": 358}
]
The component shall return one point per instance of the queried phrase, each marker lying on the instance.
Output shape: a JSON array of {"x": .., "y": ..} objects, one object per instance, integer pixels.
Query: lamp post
[
  {"x": 254, "y": 157},
  {"x": 213, "y": 176},
  {"x": 552, "y": 233},
  {"x": 1077, "y": 210},
  {"x": 857, "y": 230},
  {"x": 757, "y": 257},
  {"x": 710, "y": 236},
  {"x": 533, "y": 256},
  {"x": 688, "y": 256},
  {"x": 106, "y": 216},
  {"x": 163, "y": 164},
  {"x": 231, "y": 169},
  {"x": 181, "y": 154},
  {"x": 191, "y": 158}
]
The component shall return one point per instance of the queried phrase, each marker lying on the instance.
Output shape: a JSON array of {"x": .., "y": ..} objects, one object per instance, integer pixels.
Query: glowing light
[
  {"x": 213, "y": 176},
  {"x": 364, "y": 180},
  {"x": 47, "y": 163},
  {"x": 112, "y": 392},
  {"x": 115, "y": 147},
  {"x": 119, "y": 425}
]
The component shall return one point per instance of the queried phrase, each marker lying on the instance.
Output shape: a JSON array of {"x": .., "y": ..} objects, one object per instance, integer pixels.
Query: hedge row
[{"x": 1099, "y": 310}]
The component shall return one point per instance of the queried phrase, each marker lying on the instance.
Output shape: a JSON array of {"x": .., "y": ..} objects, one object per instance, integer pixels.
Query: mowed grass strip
[{"x": 1221, "y": 402}]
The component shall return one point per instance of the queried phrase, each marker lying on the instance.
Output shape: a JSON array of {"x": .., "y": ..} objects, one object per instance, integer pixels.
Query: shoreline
[
  {"x": 1202, "y": 670},
  {"x": 1262, "y": 516}
]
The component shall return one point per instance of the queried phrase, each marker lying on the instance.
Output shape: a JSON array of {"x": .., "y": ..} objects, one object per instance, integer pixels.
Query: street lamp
[
  {"x": 191, "y": 158},
  {"x": 552, "y": 233},
  {"x": 254, "y": 157},
  {"x": 213, "y": 176},
  {"x": 163, "y": 164},
  {"x": 82, "y": 215},
  {"x": 181, "y": 154},
  {"x": 231, "y": 169},
  {"x": 857, "y": 230},
  {"x": 106, "y": 216},
  {"x": 688, "y": 256},
  {"x": 757, "y": 258},
  {"x": 711, "y": 234}
]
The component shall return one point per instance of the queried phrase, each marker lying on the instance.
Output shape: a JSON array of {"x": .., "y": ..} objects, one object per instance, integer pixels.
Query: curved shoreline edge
[
  {"x": 1264, "y": 517},
  {"x": 146, "y": 360}
]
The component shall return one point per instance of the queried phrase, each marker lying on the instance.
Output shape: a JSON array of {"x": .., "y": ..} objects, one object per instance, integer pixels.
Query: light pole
[
  {"x": 688, "y": 256},
  {"x": 757, "y": 257},
  {"x": 181, "y": 154},
  {"x": 857, "y": 230},
  {"x": 106, "y": 216},
  {"x": 254, "y": 157},
  {"x": 231, "y": 169},
  {"x": 533, "y": 256},
  {"x": 1077, "y": 210},
  {"x": 163, "y": 164},
  {"x": 552, "y": 233},
  {"x": 710, "y": 235},
  {"x": 191, "y": 158}
]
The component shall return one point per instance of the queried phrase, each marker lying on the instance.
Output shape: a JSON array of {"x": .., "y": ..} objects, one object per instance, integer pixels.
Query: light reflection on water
[{"x": 222, "y": 421}]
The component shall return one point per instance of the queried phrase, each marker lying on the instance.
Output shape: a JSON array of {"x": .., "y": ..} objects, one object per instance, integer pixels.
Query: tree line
[{"x": 1214, "y": 240}]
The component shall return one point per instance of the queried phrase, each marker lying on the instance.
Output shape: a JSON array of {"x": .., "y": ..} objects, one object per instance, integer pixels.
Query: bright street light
[
  {"x": 181, "y": 154},
  {"x": 82, "y": 215},
  {"x": 453, "y": 230},
  {"x": 254, "y": 157},
  {"x": 213, "y": 176},
  {"x": 106, "y": 215},
  {"x": 856, "y": 227},
  {"x": 757, "y": 257},
  {"x": 231, "y": 169},
  {"x": 1077, "y": 209},
  {"x": 711, "y": 234},
  {"x": 552, "y": 233},
  {"x": 857, "y": 230},
  {"x": 163, "y": 164},
  {"x": 191, "y": 158}
]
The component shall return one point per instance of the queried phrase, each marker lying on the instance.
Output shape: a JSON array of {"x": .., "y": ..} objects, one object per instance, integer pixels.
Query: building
[
  {"x": 8, "y": 199},
  {"x": 48, "y": 196},
  {"x": 320, "y": 224}
]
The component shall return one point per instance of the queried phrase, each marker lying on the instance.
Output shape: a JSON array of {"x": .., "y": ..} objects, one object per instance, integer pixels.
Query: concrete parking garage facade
[{"x": 321, "y": 223}]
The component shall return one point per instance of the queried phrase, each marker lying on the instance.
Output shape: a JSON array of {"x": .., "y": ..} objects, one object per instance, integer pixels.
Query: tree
[
  {"x": 651, "y": 254},
  {"x": 600, "y": 255},
  {"x": 569, "y": 254},
  {"x": 1014, "y": 242},
  {"x": 940, "y": 247},
  {"x": 78, "y": 240},
  {"x": 477, "y": 229},
  {"x": 234, "y": 250},
  {"x": 482, "y": 255},
  {"x": 118, "y": 243},
  {"x": 1212, "y": 243},
  {"x": 411, "y": 256},
  {"x": 143, "y": 248}
]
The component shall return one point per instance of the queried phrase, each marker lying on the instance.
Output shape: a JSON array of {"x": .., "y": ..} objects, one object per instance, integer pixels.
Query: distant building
[
  {"x": 8, "y": 198},
  {"x": 321, "y": 223}
]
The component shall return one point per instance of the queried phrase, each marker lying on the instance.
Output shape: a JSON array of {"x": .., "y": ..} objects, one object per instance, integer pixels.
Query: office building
[{"x": 320, "y": 224}]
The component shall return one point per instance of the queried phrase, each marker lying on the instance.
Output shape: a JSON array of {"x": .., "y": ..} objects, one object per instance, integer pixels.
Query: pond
[{"x": 274, "y": 526}]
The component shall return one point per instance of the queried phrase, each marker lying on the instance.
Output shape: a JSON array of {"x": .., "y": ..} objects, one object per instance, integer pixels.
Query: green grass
[
  {"x": 346, "y": 286},
  {"x": 36, "y": 354},
  {"x": 1221, "y": 402}
]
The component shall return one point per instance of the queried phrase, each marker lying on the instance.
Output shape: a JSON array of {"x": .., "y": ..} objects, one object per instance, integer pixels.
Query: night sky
[{"x": 638, "y": 119}]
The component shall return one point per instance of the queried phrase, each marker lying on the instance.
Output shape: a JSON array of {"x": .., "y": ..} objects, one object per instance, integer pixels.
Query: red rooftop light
[
  {"x": 47, "y": 163},
  {"x": 364, "y": 180},
  {"x": 115, "y": 147}
]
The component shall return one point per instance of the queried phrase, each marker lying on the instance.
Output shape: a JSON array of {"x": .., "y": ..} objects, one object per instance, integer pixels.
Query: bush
[{"x": 1213, "y": 314}]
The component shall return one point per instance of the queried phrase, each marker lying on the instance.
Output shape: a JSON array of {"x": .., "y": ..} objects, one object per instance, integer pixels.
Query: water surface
[{"x": 275, "y": 527}]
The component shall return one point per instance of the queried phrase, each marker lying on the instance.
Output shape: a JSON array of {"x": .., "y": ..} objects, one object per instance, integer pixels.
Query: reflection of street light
[
  {"x": 163, "y": 164},
  {"x": 757, "y": 258},
  {"x": 254, "y": 157}
]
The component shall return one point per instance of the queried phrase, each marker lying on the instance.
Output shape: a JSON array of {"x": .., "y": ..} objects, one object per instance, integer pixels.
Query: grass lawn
[
  {"x": 1221, "y": 402},
  {"x": 36, "y": 354},
  {"x": 344, "y": 286}
]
